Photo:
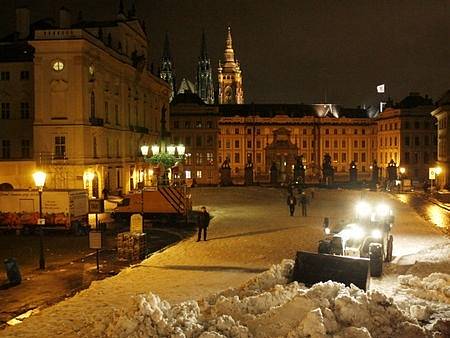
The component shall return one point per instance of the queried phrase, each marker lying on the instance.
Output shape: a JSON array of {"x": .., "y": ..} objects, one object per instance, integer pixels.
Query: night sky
[{"x": 298, "y": 50}]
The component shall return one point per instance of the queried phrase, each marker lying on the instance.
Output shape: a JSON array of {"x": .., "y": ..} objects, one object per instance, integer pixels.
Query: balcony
[{"x": 95, "y": 121}]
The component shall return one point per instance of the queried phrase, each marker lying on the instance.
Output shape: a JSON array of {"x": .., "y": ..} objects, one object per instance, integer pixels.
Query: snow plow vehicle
[
  {"x": 367, "y": 236},
  {"x": 166, "y": 204},
  {"x": 352, "y": 252}
]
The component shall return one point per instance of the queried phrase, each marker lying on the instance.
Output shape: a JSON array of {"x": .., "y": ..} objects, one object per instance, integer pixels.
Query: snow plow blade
[{"x": 311, "y": 268}]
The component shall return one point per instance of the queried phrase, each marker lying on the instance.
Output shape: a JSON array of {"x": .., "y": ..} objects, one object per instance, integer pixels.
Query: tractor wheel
[
  {"x": 376, "y": 259},
  {"x": 389, "y": 249}
]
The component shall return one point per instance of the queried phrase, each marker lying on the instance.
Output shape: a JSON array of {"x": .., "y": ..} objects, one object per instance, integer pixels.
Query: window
[
  {"x": 355, "y": 131},
  {"x": 406, "y": 140},
  {"x": 26, "y": 148},
  {"x": 258, "y": 144},
  {"x": 249, "y": 144},
  {"x": 209, "y": 124},
  {"x": 116, "y": 114},
  {"x": 24, "y": 75},
  {"x": 57, "y": 66},
  {"x": 344, "y": 157},
  {"x": 381, "y": 141},
  {"x": 24, "y": 110},
  {"x": 426, "y": 140},
  {"x": 335, "y": 143},
  {"x": 395, "y": 141},
  {"x": 416, "y": 158},
  {"x": 176, "y": 124},
  {"x": 390, "y": 141},
  {"x": 4, "y": 76},
  {"x": 94, "y": 147},
  {"x": 106, "y": 112},
  {"x": 258, "y": 157},
  {"x": 335, "y": 157},
  {"x": 363, "y": 157},
  {"x": 209, "y": 140},
  {"x": 343, "y": 144},
  {"x": 199, "y": 174},
  {"x": 237, "y": 158},
  {"x": 236, "y": 131},
  {"x": 363, "y": 131},
  {"x": 417, "y": 141},
  {"x": 220, "y": 144},
  {"x": 249, "y": 131},
  {"x": 355, "y": 144},
  {"x": 327, "y": 131},
  {"x": 258, "y": 131},
  {"x": 92, "y": 105},
  {"x": 198, "y": 141},
  {"x": 343, "y": 131},
  {"x": 60, "y": 146},
  {"x": 187, "y": 124},
  {"x": 210, "y": 158},
  {"x": 335, "y": 132},
  {"x": 312, "y": 143},
  {"x": 407, "y": 157},
  {"x": 406, "y": 124},
  {"x": 355, "y": 157},
  {"x": 6, "y": 113},
  {"x": 304, "y": 131},
  {"x": 227, "y": 144},
  {"x": 198, "y": 158},
  {"x": 6, "y": 149},
  {"x": 304, "y": 144},
  {"x": 327, "y": 144},
  {"x": 363, "y": 144},
  {"x": 236, "y": 143},
  {"x": 188, "y": 174}
]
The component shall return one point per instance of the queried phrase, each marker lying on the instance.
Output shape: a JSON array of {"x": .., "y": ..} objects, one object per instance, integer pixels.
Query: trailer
[
  {"x": 61, "y": 209},
  {"x": 165, "y": 204}
]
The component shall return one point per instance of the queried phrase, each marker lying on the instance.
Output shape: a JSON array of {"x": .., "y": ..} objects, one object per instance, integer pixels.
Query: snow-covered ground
[{"x": 223, "y": 287}]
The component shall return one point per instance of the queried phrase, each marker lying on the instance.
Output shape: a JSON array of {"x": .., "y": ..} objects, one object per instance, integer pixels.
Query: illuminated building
[
  {"x": 205, "y": 85},
  {"x": 442, "y": 114},
  {"x": 167, "y": 72},
  {"x": 95, "y": 101}
]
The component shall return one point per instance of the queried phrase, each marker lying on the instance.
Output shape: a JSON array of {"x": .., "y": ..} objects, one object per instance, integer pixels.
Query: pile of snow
[{"x": 269, "y": 305}]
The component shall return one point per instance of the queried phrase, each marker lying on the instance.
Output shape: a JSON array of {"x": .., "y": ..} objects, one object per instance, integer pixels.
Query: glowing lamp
[
  {"x": 155, "y": 149},
  {"x": 144, "y": 150},
  {"x": 171, "y": 149},
  {"x": 181, "y": 149},
  {"x": 402, "y": 170},
  {"x": 438, "y": 170},
  {"x": 39, "y": 179}
]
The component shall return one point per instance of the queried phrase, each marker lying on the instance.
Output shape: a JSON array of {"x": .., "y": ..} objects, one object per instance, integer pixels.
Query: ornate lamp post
[
  {"x": 163, "y": 156},
  {"x": 39, "y": 180}
]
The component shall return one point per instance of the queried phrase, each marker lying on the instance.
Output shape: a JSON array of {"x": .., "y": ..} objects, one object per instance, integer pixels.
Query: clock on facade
[{"x": 58, "y": 65}]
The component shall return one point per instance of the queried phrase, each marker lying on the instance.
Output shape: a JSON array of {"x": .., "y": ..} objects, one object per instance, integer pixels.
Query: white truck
[{"x": 61, "y": 209}]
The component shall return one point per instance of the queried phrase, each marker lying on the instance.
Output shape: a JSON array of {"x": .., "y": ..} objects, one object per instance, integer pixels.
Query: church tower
[
  {"x": 230, "y": 76},
  {"x": 205, "y": 86},
  {"x": 166, "y": 71}
]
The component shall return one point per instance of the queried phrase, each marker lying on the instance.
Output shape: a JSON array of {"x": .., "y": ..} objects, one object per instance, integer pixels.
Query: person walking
[
  {"x": 303, "y": 202},
  {"x": 291, "y": 202},
  {"x": 203, "y": 222}
]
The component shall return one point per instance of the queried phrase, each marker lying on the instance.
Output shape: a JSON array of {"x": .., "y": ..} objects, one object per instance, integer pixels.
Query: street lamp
[
  {"x": 402, "y": 170},
  {"x": 166, "y": 156},
  {"x": 39, "y": 180}
]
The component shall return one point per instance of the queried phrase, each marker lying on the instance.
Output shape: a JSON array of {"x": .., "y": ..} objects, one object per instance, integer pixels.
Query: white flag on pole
[{"x": 380, "y": 88}]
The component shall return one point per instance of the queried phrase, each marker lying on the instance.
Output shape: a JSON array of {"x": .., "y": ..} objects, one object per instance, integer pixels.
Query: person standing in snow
[
  {"x": 202, "y": 223},
  {"x": 291, "y": 202},
  {"x": 303, "y": 202}
]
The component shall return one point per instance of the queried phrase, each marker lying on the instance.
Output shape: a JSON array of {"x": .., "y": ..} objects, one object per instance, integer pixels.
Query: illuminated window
[
  {"x": 57, "y": 65},
  {"x": 187, "y": 174},
  {"x": 199, "y": 174},
  {"x": 60, "y": 146}
]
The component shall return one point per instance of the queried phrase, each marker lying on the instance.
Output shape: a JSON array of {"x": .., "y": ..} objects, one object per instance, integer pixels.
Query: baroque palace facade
[
  {"x": 78, "y": 100},
  {"x": 267, "y": 134}
]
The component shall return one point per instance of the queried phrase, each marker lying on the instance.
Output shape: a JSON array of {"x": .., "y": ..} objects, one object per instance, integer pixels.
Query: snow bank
[{"x": 269, "y": 305}]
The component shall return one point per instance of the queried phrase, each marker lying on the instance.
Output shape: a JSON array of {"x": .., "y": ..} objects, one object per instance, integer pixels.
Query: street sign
[
  {"x": 41, "y": 221},
  {"x": 432, "y": 173},
  {"x": 95, "y": 239},
  {"x": 96, "y": 206}
]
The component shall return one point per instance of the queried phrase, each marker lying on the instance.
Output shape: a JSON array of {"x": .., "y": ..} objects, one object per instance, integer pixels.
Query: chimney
[
  {"x": 65, "y": 18},
  {"x": 23, "y": 22}
]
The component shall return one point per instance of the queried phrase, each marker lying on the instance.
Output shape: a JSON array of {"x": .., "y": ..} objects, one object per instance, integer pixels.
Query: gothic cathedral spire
[
  {"x": 166, "y": 71},
  {"x": 231, "y": 90},
  {"x": 205, "y": 86}
]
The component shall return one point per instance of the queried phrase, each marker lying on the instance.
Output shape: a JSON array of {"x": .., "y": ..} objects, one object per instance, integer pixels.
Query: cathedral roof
[
  {"x": 187, "y": 98},
  {"x": 186, "y": 86}
]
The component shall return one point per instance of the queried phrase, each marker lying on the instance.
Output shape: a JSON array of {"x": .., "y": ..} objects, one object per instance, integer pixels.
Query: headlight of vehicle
[
  {"x": 376, "y": 233},
  {"x": 327, "y": 231},
  {"x": 383, "y": 210},
  {"x": 363, "y": 209}
]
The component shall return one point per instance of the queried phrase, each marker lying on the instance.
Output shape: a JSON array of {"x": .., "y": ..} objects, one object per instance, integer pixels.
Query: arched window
[{"x": 92, "y": 104}]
